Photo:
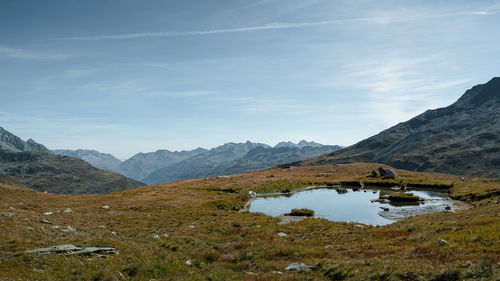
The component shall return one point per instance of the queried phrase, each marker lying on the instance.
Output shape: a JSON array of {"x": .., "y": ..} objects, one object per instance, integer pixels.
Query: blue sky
[{"x": 135, "y": 76}]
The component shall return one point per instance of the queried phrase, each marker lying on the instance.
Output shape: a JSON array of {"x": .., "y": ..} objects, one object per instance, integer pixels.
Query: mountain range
[
  {"x": 463, "y": 139},
  {"x": 33, "y": 165},
  {"x": 164, "y": 166}
]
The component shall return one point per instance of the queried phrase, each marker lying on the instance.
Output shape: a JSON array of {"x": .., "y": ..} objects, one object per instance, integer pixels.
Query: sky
[{"x": 129, "y": 76}]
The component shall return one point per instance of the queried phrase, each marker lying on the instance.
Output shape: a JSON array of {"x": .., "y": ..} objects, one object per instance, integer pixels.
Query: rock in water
[{"x": 387, "y": 173}]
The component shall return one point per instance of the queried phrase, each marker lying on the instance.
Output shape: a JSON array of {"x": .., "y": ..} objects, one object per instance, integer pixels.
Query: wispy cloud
[
  {"x": 18, "y": 53},
  {"x": 274, "y": 26},
  {"x": 397, "y": 89}
]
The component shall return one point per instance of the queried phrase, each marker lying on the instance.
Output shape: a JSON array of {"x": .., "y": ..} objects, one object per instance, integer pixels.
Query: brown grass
[{"x": 227, "y": 245}]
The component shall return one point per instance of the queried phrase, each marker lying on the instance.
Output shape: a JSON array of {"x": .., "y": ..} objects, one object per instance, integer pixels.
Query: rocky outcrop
[
  {"x": 104, "y": 161},
  {"x": 11, "y": 142}
]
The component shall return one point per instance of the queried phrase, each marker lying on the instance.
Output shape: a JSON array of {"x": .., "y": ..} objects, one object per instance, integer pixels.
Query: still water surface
[{"x": 352, "y": 206}]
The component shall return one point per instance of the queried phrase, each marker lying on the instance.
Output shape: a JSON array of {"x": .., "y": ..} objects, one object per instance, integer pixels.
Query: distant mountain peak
[{"x": 11, "y": 142}]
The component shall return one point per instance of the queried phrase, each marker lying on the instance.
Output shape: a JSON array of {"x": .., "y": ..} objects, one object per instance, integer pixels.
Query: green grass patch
[
  {"x": 301, "y": 213},
  {"x": 403, "y": 197}
]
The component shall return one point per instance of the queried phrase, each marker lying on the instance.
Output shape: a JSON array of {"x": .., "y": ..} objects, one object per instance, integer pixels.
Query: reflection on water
[{"x": 343, "y": 205}]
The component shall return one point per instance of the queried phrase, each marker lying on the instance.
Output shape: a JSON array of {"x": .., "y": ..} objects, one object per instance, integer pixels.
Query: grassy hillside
[{"x": 204, "y": 227}]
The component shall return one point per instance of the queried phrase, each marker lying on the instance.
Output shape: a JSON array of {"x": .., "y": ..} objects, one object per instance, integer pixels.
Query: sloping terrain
[
  {"x": 104, "y": 161},
  {"x": 33, "y": 165},
  {"x": 462, "y": 139},
  {"x": 200, "y": 235},
  {"x": 60, "y": 174},
  {"x": 142, "y": 164}
]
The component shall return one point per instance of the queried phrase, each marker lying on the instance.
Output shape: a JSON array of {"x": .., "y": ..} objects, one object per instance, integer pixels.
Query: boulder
[
  {"x": 73, "y": 250},
  {"x": 387, "y": 173},
  {"x": 299, "y": 267},
  {"x": 442, "y": 242},
  {"x": 282, "y": 234}
]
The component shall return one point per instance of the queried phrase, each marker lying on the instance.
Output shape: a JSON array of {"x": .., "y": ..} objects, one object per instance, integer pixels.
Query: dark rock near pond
[
  {"x": 387, "y": 173},
  {"x": 447, "y": 208},
  {"x": 374, "y": 174}
]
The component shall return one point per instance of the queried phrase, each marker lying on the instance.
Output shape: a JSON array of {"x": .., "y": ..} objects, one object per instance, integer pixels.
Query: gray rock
[
  {"x": 191, "y": 227},
  {"x": 68, "y": 210},
  {"x": 45, "y": 221},
  {"x": 447, "y": 208},
  {"x": 282, "y": 234},
  {"x": 7, "y": 214},
  {"x": 70, "y": 228},
  {"x": 105, "y": 207},
  {"x": 374, "y": 174},
  {"x": 73, "y": 250},
  {"x": 442, "y": 242},
  {"x": 387, "y": 173},
  {"x": 48, "y": 213},
  {"x": 299, "y": 267},
  {"x": 38, "y": 270},
  {"x": 156, "y": 236}
]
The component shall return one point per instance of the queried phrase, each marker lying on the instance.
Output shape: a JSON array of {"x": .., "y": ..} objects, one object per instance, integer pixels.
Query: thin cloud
[
  {"x": 274, "y": 26},
  {"x": 18, "y": 53}
]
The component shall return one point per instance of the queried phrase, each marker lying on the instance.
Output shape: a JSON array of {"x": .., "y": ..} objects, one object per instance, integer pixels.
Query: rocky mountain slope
[
  {"x": 233, "y": 158},
  {"x": 104, "y": 161},
  {"x": 11, "y": 142},
  {"x": 201, "y": 165},
  {"x": 35, "y": 166},
  {"x": 463, "y": 139},
  {"x": 142, "y": 164}
]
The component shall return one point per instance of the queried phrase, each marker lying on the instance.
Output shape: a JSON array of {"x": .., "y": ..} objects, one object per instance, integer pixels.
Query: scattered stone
[
  {"x": 189, "y": 262},
  {"x": 191, "y": 227},
  {"x": 68, "y": 210},
  {"x": 339, "y": 165},
  {"x": 74, "y": 250},
  {"x": 447, "y": 208},
  {"x": 48, "y": 213},
  {"x": 38, "y": 270},
  {"x": 222, "y": 177},
  {"x": 332, "y": 170},
  {"x": 299, "y": 267},
  {"x": 464, "y": 178},
  {"x": 7, "y": 214},
  {"x": 30, "y": 228},
  {"x": 69, "y": 228},
  {"x": 252, "y": 194},
  {"x": 101, "y": 226},
  {"x": 156, "y": 236},
  {"x": 105, "y": 207},
  {"x": 114, "y": 233},
  {"x": 282, "y": 234},
  {"x": 277, "y": 272},
  {"x": 442, "y": 242},
  {"x": 165, "y": 235},
  {"x": 328, "y": 246},
  {"x": 55, "y": 226},
  {"x": 387, "y": 173},
  {"x": 45, "y": 221}
]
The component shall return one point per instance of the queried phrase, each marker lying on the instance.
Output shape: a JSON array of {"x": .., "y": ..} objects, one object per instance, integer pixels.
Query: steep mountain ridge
[
  {"x": 463, "y": 138},
  {"x": 142, "y": 164},
  {"x": 104, "y": 161},
  {"x": 201, "y": 165},
  {"x": 234, "y": 158},
  {"x": 11, "y": 142},
  {"x": 33, "y": 165}
]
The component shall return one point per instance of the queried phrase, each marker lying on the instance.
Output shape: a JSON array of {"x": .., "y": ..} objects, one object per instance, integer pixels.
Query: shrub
[
  {"x": 403, "y": 197},
  {"x": 302, "y": 213}
]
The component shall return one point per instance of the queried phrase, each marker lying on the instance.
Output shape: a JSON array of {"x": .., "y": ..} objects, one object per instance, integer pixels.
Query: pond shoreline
[{"x": 391, "y": 215}]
